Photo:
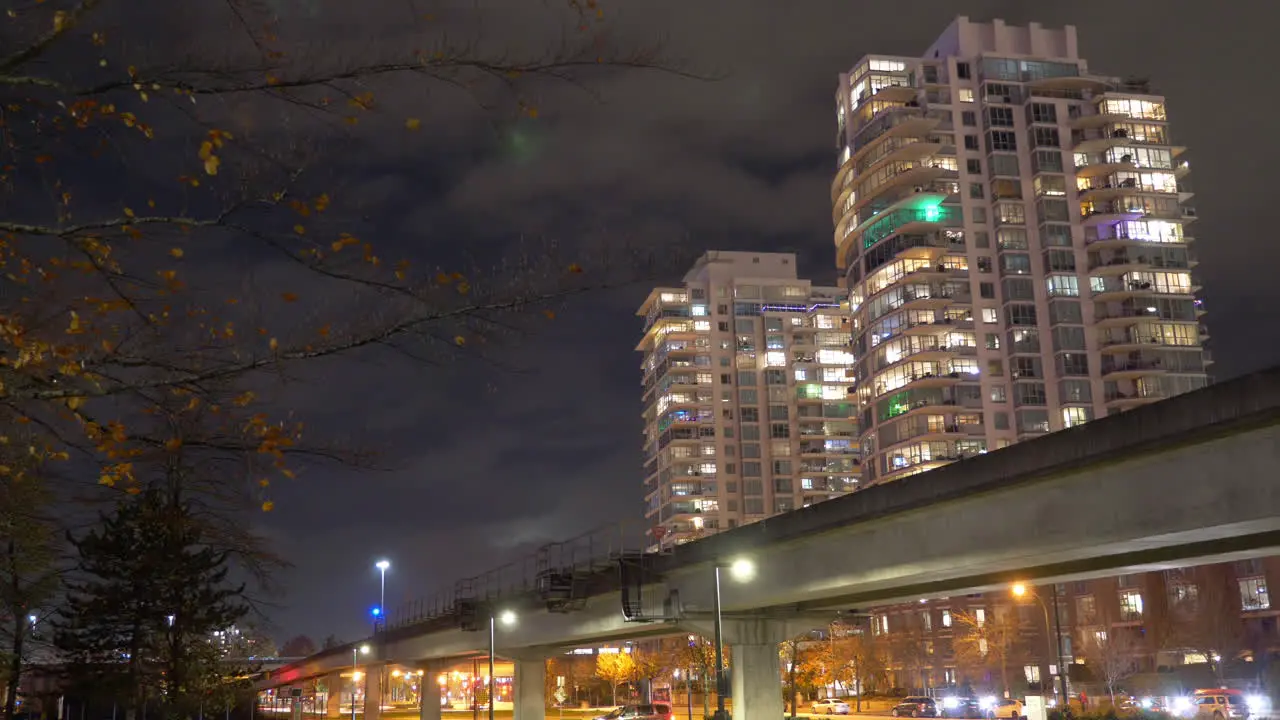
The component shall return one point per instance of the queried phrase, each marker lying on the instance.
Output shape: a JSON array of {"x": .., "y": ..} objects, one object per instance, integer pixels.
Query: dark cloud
[{"x": 482, "y": 461}]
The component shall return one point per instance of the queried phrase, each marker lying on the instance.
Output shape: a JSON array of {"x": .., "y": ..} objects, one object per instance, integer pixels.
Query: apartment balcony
[
  {"x": 906, "y": 121},
  {"x": 821, "y": 450},
  {"x": 894, "y": 93},
  {"x": 1070, "y": 84},
  {"x": 921, "y": 177},
  {"x": 927, "y": 380},
  {"x": 939, "y": 326},
  {"x": 1129, "y": 342},
  {"x": 1130, "y": 369},
  {"x": 912, "y": 466},
  {"x": 1120, "y": 263},
  {"x": 1117, "y": 289},
  {"x": 1105, "y": 189},
  {"x": 917, "y": 213},
  {"x": 1120, "y": 401},
  {"x": 1121, "y": 317},
  {"x": 1101, "y": 168},
  {"x": 1108, "y": 213},
  {"x": 1096, "y": 120}
]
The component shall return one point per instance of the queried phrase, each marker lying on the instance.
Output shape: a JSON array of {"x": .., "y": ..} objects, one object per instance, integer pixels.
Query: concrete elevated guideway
[{"x": 1188, "y": 480}]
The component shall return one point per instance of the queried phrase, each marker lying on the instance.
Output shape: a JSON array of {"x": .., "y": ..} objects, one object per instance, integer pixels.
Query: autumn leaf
[
  {"x": 464, "y": 287},
  {"x": 128, "y": 212},
  {"x": 289, "y": 297},
  {"x": 211, "y": 165},
  {"x": 176, "y": 252},
  {"x": 300, "y": 229},
  {"x": 268, "y": 506},
  {"x": 575, "y": 268},
  {"x": 172, "y": 444},
  {"x": 550, "y": 314},
  {"x": 273, "y": 344},
  {"x": 459, "y": 341},
  {"x": 413, "y": 123}
]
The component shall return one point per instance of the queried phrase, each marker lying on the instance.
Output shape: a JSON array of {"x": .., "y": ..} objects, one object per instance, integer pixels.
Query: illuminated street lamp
[
  {"x": 382, "y": 566},
  {"x": 1021, "y": 590},
  {"x": 742, "y": 570},
  {"x": 507, "y": 618},
  {"x": 356, "y": 652}
]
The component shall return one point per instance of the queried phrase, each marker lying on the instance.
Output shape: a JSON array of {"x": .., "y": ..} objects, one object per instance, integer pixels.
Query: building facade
[
  {"x": 1013, "y": 233},
  {"x": 1153, "y": 633},
  {"x": 746, "y": 408}
]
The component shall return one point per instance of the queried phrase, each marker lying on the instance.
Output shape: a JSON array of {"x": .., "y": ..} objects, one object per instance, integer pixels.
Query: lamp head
[
  {"x": 383, "y": 565},
  {"x": 1018, "y": 589},
  {"x": 742, "y": 569}
]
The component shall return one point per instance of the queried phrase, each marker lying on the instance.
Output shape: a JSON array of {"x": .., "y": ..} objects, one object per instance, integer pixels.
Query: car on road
[
  {"x": 1003, "y": 708},
  {"x": 646, "y": 711},
  {"x": 960, "y": 706},
  {"x": 916, "y": 706},
  {"x": 830, "y": 706}
]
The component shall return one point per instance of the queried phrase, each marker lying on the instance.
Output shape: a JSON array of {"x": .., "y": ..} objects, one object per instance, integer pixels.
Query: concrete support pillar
[
  {"x": 369, "y": 682},
  {"x": 755, "y": 681},
  {"x": 429, "y": 694},
  {"x": 530, "y": 689},
  {"x": 336, "y": 684}
]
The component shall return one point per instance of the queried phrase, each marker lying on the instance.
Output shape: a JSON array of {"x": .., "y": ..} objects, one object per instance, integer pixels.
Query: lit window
[
  {"x": 946, "y": 618},
  {"x": 1073, "y": 416},
  {"x": 1130, "y": 605},
  {"x": 980, "y": 617},
  {"x": 1253, "y": 594},
  {"x": 966, "y": 95},
  {"x": 775, "y": 359},
  {"x": 1032, "y": 672},
  {"x": 989, "y": 316}
]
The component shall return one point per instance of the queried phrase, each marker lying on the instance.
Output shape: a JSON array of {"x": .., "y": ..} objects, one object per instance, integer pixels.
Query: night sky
[{"x": 481, "y": 462}]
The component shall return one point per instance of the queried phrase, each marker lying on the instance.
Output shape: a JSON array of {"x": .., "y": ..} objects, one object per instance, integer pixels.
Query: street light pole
[
  {"x": 356, "y": 651},
  {"x": 719, "y": 638},
  {"x": 491, "y": 639},
  {"x": 1062, "y": 668},
  {"x": 1019, "y": 590}
]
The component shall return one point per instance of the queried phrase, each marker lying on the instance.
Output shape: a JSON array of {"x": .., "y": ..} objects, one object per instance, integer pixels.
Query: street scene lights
[
  {"x": 1020, "y": 590},
  {"x": 356, "y": 652},
  {"x": 508, "y": 619},
  {"x": 382, "y": 566},
  {"x": 741, "y": 570}
]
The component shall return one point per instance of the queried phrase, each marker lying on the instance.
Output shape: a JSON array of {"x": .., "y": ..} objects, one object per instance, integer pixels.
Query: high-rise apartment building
[
  {"x": 1013, "y": 234},
  {"x": 746, "y": 405}
]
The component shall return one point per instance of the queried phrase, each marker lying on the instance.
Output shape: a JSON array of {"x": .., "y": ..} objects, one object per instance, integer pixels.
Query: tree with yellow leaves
[
  {"x": 148, "y": 183},
  {"x": 136, "y": 171}
]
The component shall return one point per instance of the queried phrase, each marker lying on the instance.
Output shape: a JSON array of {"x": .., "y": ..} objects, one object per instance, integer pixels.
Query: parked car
[
  {"x": 830, "y": 706},
  {"x": 647, "y": 711},
  {"x": 960, "y": 706},
  {"x": 916, "y": 706}
]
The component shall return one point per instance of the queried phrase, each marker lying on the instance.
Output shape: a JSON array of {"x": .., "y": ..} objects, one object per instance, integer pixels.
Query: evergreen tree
[
  {"x": 139, "y": 622},
  {"x": 29, "y": 549}
]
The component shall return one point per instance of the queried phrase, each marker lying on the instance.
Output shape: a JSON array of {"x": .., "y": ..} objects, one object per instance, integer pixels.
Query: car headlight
[
  {"x": 1146, "y": 703},
  {"x": 951, "y": 703},
  {"x": 987, "y": 702},
  {"x": 1257, "y": 703},
  {"x": 1181, "y": 706}
]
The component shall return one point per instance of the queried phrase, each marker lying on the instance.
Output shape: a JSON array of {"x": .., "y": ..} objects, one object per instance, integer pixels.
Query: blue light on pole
[{"x": 376, "y": 612}]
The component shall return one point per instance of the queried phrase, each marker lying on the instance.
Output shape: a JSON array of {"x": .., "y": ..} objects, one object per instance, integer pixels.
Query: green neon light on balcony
[{"x": 884, "y": 227}]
